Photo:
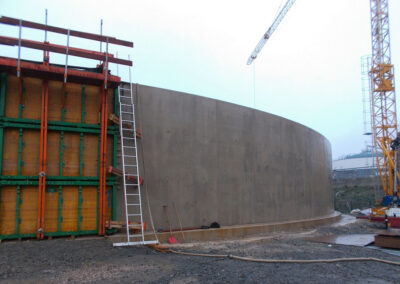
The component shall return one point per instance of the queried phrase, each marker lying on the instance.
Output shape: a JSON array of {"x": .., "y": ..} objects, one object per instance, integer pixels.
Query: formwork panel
[
  {"x": 92, "y": 105},
  {"x": 90, "y": 155},
  {"x": 89, "y": 208},
  {"x": 72, "y": 160},
  {"x": 10, "y": 151},
  {"x": 53, "y": 153},
  {"x": 73, "y": 103},
  {"x": 12, "y": 97},
  {"x": 69, "y": 209},
  {"x": 32, "y": 98},
  {"x": 8, "y": 203},
  {"x": 51, "y": 210},
  {"x": 55, "y": 101},
  {"x": 30, "y": 153},
  {"x": 71, "y": 154},
  {"x": 109, "y": 203},
  {"x": 109, "y": 153},
  {"x": 28, "y": 210},
  {"x": 110, "y": 103}
]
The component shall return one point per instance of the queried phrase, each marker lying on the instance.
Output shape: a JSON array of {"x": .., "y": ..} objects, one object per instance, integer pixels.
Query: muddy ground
[{"x": 95, "y": 260}]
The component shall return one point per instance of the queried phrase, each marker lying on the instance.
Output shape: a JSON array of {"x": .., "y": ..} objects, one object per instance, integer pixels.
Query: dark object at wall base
[{"x": 215, "y": 225}]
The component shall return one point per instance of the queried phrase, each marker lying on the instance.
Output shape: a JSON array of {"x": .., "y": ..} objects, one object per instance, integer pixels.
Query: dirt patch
[{"x": 96, "y": 260}]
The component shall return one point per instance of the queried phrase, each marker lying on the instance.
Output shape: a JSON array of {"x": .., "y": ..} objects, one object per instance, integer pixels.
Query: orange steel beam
[
  {"x": 55, "y": 72},
  {"x": 63, "y": 50},
  {"x": 28, "y": 24},
  {"x": 43, "y": 152}
]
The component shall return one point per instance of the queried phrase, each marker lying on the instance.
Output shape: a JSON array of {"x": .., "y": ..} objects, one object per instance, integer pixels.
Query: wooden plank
[
  {"x": 28, "y": 210},
  {"x": 32, "y": 98},
  {"x": 12, "y": 98},
  {"x": 69, "y": 210},
  {"x": 71, "y": 154},
  {"x": 55, "y": 100},
  {"x": 53, "y": 153},
  {"x": 7, "y": 210},
  {"x": 90, "y": 155},
  {"x": 89, "y": 208},
  {"x": 387, "y": 241},
  {"x": 10, "y": 151},
  {"x": 51, "y": 209},
  {"x": 92, "y": 104},
  {"x": 102, "y": 38},
  {"x": 31, "y": 153},
  {"x": 73, "y": 103}
]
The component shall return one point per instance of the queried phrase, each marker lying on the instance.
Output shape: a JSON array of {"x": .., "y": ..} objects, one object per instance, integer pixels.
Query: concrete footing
[{"x": 237, "y": 232}]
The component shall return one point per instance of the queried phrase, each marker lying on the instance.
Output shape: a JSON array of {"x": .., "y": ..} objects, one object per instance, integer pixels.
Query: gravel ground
[{"x": 95, "y": 260}]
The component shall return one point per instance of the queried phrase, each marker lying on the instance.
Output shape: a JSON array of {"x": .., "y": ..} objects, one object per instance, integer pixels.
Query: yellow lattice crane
[
  {"x": 383, "y": 98},
  {"x": 383, "y": 105}
]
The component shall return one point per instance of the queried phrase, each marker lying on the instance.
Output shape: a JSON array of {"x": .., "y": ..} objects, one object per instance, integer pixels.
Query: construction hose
[{"x": 300, "y": 261}]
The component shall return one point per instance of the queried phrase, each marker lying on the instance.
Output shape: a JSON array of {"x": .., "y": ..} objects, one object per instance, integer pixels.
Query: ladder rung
[
  {"x": 126, "y": 112},
  {"x": 136, "y": 225},
  {"x": 133, "y": 204},
  {"x": 129, "y": 156},
  {"x": 128, "y": 138},
  {"x": 134, "y": 214},
  {"x": 126, "y": 89},
  {"x": 127, "y": 120},
  {"x": 125, "y": 97},
  {"x": 125, "y": 104},
  {"x": 134, "y": 243},
  {"x": 135, "y": 235},
  {"x": 129, "y": 146},
  {"x": 133, "y": 194},
  {"x": 130, "y": 166}
]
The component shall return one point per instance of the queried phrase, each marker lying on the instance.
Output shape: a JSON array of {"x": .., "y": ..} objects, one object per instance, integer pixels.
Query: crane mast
[
  {"x": 383, "y": 100},
  {"x": 282, "y": 13}
]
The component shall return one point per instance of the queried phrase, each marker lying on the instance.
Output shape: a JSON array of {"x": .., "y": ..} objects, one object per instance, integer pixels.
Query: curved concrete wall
[{"x": 227, "y": 163}]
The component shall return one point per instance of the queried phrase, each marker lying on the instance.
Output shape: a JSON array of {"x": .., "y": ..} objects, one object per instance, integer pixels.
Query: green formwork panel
[{"x": 19, "y": 186}]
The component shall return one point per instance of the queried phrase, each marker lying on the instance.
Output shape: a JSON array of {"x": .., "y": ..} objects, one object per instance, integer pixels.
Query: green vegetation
[{"x": 356, "y": 197}]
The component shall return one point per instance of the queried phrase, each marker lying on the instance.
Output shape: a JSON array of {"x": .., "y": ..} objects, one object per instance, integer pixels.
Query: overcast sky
[{"x": 309, "y": 71}]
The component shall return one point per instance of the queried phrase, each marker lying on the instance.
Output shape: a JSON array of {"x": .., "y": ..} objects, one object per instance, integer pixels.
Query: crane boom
[
  {"x": 383, "y": 99},
  {"x": 271, "y": 29}
]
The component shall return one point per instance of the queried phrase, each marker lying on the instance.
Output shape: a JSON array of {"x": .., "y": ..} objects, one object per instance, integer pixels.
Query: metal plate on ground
[{"x": 359, "y": 240}]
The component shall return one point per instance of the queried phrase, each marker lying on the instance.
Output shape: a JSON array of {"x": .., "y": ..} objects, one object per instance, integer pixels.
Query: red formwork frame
[
  {"x": 47, "y": 72},
  {"x": 43, "y": 156},
  {"x": 103, "y": 151}
]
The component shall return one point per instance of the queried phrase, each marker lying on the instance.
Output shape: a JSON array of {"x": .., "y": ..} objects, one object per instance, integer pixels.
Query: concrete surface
[
  {"x": 227, "y": 163},
  {"x": 235, "y": 232}
]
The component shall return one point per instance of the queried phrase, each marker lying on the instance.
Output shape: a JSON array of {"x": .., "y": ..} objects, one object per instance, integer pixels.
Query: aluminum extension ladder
[{"x": 130, "y": 169}]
